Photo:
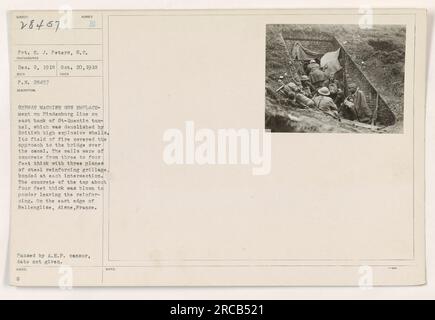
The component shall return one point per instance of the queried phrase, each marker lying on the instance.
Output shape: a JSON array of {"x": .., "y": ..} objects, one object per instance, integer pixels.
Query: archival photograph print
[{"x": 335, "y": 78}]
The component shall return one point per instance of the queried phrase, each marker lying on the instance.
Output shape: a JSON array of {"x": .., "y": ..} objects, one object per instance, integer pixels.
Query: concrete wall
[
  {"x": 315, "y": 45},
  {"x": 353, "y": 74}
]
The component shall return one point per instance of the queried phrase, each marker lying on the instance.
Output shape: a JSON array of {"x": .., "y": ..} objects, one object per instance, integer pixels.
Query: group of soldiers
[{"x": 316, "y": 88}]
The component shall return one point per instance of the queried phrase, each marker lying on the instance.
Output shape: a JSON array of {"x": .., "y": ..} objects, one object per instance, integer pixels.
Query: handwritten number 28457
[{"x": 37, "y": 25}]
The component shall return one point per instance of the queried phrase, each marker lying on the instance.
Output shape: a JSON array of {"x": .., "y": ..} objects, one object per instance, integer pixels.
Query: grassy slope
[{"x": 380, "y": 53}]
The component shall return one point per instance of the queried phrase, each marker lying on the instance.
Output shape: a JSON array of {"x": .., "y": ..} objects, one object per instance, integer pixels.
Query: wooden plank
[
  {"x": 375, "y": 113},
  {"x": 360, "y": 124},
  {"x": 306, "y": 39}
]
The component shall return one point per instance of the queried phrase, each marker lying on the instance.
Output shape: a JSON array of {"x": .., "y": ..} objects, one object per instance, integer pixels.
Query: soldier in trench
[
  {"x": 286, "y": 93},
  {"x": 324, "y": 102},
  {"x": 317, "y": 77},
  {"x": 355, "y": 105},
  {"x": 311, "y": 66},
  {"x": 307, "y": 89},
  {"x": 293, "y": 96}
]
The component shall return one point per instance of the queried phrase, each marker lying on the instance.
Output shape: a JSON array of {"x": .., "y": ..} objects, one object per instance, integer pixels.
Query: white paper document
[{"x": 217, "y": 148}]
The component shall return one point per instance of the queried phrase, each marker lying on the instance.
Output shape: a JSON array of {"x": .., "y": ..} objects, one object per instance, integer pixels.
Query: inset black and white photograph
[{"x": 335, "y": 78}]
